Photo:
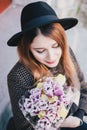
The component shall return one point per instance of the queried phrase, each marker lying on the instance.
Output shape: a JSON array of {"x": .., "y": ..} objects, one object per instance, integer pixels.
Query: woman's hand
[{"x": 71, "y": 122}]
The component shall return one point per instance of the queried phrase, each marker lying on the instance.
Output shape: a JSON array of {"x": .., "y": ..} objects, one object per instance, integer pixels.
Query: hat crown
[
  {"x": 39, "y": 14},
  {"x": 35, "y": 10}
]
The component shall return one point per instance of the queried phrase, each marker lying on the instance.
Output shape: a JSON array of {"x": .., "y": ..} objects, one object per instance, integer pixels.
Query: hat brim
[{"x": 66, "y": 23}]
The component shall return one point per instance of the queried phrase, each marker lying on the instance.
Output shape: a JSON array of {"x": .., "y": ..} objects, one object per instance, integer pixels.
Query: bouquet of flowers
[{"x": 47, "y": 104}]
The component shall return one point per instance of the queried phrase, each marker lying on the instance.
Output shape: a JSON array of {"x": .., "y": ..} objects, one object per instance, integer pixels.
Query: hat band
[{"x": 40, "y": 21}]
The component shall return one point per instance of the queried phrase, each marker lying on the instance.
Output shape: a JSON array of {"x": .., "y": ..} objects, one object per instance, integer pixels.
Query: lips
[{"x": 50, "y": 62}]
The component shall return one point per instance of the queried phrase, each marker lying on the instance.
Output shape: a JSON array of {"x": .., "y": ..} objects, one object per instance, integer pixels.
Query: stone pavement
[{"x": 9, "y": 25}]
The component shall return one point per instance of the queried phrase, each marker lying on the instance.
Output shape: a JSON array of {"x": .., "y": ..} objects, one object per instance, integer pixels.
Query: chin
[{"x": 52, "y": 66}]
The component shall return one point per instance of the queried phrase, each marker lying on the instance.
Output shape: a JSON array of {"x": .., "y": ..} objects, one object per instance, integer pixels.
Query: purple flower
[
  {"x": 48, "y": 89},
  {"x": 48, "y": 97},
  {"x": 58, "y": 92},
  {"x": 43, "y": 124}
]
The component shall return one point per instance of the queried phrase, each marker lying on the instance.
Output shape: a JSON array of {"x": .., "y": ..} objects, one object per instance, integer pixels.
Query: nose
[{"x": 50, "y": 55}]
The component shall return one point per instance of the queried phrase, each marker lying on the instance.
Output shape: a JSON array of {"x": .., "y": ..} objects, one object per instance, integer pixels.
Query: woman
[{"x": 42, "y": 48}]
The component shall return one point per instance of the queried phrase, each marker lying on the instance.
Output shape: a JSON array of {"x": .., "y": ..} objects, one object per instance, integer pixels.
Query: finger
[{"x": 71, "y": 122}]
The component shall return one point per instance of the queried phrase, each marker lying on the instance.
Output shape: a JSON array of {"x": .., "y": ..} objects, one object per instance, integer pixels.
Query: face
[{"x": 46, "y": 50}]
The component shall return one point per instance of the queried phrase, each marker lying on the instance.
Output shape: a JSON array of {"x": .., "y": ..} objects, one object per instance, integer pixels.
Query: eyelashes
[{"x": 41, "y": 51}]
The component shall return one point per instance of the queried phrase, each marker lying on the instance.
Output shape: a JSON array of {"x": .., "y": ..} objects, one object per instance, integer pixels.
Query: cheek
[
  {"x": 59, "y": 52},
  {"x": 38, "y": 57}
]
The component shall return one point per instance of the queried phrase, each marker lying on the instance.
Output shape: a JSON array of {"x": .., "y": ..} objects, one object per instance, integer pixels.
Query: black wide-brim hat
[{"x": 38, "y": 14}]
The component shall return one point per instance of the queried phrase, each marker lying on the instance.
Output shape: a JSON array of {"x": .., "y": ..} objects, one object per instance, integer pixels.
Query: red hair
[{"x": 56, "y": 32}]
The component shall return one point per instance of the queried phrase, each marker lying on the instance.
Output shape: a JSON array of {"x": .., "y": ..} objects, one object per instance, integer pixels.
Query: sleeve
[
  {"x": 19, "y": 80},
  {"x": 83, "y": 98},
  {"x": 79, "y": 113}
]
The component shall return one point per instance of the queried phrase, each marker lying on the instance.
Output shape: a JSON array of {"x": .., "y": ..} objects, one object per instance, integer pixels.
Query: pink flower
[
  {"x": 48, "y": 88},
  {"x": 58, "y": 92},
  {"x": 35, "y": 94},
  {"x": 43, "y": 104},
  {"x": 43, "y": 124},
  {"x": 57, "y": 89},
  {"x": 27, "y": 104},
  {"x": 51, "y": 114},
  {"x": 49, "y": 101}
]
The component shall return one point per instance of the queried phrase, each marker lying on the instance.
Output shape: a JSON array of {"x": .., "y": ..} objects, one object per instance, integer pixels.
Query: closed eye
[
  {"x": 56, "y": 45},
  {"x": 40, "y": 51}
]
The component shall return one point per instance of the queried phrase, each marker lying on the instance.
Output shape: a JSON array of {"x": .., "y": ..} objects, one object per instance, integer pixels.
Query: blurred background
[{"x": 10, "y": 11}]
